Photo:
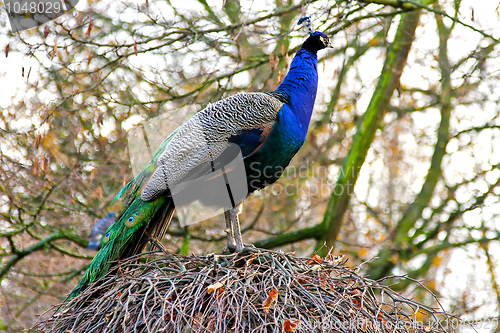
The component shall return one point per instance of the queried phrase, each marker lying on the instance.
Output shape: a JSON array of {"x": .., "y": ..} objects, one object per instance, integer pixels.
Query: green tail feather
[
  {"x": 137, "y": 221},
  {"x": 128, "y": 235}
]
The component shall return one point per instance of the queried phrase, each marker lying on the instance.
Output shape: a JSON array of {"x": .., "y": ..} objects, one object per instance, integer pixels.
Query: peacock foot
[{"x": 234, "y": 248}]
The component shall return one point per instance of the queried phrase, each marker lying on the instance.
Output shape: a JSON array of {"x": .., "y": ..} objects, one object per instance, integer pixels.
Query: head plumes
[{"x": 316, "y": 41}]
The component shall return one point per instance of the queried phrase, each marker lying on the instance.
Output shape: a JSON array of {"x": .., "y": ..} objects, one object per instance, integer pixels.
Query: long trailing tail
[{"x": 127, "y": 236}]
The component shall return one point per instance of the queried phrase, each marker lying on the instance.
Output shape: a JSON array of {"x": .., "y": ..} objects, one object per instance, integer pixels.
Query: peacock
[{"x": 267, "y": 128}]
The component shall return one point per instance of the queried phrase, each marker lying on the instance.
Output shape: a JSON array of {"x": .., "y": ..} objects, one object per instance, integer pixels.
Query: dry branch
[{"x": 255, "y": 291}]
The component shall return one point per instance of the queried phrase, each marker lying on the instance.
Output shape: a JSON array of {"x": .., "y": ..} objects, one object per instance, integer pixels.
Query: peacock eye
[
  {"x": 108, "y": 234},
  {"x": 130, "y": 221}
]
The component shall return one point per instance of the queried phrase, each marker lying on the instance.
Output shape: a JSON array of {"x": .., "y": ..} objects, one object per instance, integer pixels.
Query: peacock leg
[
  {"x": 231, "y": 242},
  {"x": 234, "y": 212},
  {"x": 234, "y": 239}
]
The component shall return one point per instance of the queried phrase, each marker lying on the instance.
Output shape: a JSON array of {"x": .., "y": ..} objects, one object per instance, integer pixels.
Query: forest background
[{"x": 400, "y": 171}]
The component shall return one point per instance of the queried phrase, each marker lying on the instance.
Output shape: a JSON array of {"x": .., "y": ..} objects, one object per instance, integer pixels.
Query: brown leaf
[
  {"x": 92, "y": 175},
  {"x": 356, "y": 302},
  {"x": 291, "y": 325},
  {"x": 219, "y": 292},
  {"x": 35, "y": 166},
  {"x": 100, "y": 118},
  {"x": 44, "y": 165},
  {"x": 7, "y": 49},
  {"x": 316, "y": 259},
  {"x": 99, "y": 192},
  {"x": 91, "y": 24},
  {"x": 288, "y": 60},
  {"x": 45, "y": 31},
  {"x": 213, "y": 287},
  {"x": 271, "y": 61},
  {"x": 272, "y": 295},
  {"x": 249, "y": 261}
]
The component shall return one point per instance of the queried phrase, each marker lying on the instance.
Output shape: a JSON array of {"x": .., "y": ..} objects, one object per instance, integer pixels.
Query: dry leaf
[
  {"x": 357, "y": 303},
  {"x": 274, "y": 61},
  {"x": 35, "y": 166},
  {"x": 100, "y": 119},
  {"x": 91, "y": 24},
  {"x": 249, "y": 261},
  {"x": 314, "y": 260},
  {"x": 291, "y": 325},
  {"x": 213, "y": 287},
  {"x": 7, "y": 49},
  {"x": 44, "y": 165},
  {"x": 219, "y": 292},
  {"x": 272, "y": 295},
  {"x": 45, "y": 31},
  {"x": 92, "y": 175}
]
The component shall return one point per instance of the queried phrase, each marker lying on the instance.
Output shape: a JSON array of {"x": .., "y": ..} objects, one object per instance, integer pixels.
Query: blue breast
[{"x": 289, "y": 132}]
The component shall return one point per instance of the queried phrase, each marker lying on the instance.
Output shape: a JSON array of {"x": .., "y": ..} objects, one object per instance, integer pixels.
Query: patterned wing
[{"x": 243, "y": 119}]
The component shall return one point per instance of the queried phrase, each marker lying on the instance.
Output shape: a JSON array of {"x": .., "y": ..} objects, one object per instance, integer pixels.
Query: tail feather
[
  {"x": 157, "y": 229},
  {"x": 128, "y": 236}
]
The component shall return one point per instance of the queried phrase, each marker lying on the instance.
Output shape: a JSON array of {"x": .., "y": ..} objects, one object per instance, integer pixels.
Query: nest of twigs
[{"x": 254, "y": 291}]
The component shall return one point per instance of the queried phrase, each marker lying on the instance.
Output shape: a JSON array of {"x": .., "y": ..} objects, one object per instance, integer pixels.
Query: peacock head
[{"x": 316, "y": 41}]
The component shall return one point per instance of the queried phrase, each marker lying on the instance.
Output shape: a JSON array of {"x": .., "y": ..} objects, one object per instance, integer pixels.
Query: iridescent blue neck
[{"x": 300, "y": 85}]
